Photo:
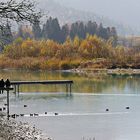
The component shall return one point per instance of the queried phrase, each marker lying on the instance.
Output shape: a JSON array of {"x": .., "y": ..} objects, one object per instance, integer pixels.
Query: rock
[
  {"x": 2, "y": 114},
  {"x": 12, "y": 130}
]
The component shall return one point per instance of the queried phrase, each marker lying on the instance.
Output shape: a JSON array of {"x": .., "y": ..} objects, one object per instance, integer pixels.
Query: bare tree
[
  {"x": 17, "y": 10},
  {"x": 24, "y": 10}
]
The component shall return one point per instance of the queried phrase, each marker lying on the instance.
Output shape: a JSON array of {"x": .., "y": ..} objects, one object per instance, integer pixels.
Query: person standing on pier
[
  {"x": 7, "y": 83},
  {"x": 1, "y": 86}
]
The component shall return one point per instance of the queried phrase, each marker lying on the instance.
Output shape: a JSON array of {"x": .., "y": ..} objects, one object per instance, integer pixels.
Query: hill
[{"x": 70, "y": 15}]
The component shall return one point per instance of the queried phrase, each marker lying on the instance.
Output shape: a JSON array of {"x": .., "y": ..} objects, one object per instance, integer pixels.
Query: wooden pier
[
  {"x": 68, "y": 83},
  {"x": 16, "y": 87}
]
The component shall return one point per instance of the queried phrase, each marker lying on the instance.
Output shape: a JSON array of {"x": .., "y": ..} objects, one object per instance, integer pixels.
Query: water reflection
[
  {"x": 97, "y": 84},
  {"x": 42, "y": 96},
  {"x": 83, "y": 114}
]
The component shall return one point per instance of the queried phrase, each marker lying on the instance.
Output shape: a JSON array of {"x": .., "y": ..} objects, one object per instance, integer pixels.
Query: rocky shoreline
[
  {"x": 93, "y": 72},
  {"x": 124, "y": 71},
  {"x": 12, "y": 130}
]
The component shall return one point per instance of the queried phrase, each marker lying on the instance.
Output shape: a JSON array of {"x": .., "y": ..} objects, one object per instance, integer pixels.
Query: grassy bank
[
  {"x": 37, "y": 63},
  {"x": 41, "y": 63}
]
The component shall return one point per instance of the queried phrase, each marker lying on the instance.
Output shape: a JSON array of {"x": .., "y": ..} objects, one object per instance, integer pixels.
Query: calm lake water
[{"x": 83, "y": 115}]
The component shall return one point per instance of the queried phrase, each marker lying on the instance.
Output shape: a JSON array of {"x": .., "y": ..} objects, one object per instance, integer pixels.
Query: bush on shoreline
[{"x": 92, "y": 52}]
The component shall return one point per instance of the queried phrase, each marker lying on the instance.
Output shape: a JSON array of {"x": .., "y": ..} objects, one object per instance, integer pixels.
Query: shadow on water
[{"x": 42, "y": 96}]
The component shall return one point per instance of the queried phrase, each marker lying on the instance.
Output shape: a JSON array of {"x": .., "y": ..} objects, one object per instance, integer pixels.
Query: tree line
[{"x": 52, "y": 30}]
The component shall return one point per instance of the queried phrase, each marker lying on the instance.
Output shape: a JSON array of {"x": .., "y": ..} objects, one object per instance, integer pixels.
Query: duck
[
  {"x": 31, "y": 114},
  {"x": 17, "y": 115},
  {"x": 127, "y": 107},
  {"x": 55, "y": 113},
  {"x": 107, "y": 109},
  {"x": 35, "y": 114},
  {"x": 25, "y": 105},
  {"x": 13, "y": 116},
  {"x": 4, "y": 108},
  {"x": 21, "y": 115}
]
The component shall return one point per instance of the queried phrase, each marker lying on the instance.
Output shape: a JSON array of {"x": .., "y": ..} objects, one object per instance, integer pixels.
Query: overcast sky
[{"x": 123, "y": 11}]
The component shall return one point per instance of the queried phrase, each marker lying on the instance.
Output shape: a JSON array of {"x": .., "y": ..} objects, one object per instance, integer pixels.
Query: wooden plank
[
  {"x": 42, "y": 82},
  {"x": 6, "y": 88}
]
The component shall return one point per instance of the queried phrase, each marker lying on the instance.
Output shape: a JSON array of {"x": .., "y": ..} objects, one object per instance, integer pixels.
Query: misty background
[
  {"x": 122, "y": 14},
  {"x": 124, "y": 11}
]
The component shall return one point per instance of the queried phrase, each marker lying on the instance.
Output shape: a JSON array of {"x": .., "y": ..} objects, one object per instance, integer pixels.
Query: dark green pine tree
[
  {"x": 36, "y": 30},
  {"x": 74, "y": 30},
  {"x": 46, "y": 31},
  {"x": 52, "y": 30},
  {"x": 6, "y": 36},
  {"x": 64, "y": 33},
  {"x": 56, "y": 30},
  {"x": 81, "y": 30},
  {"x": 114, "y": 35},
  {"x": 91, "y": 28},
  {"x": 102, "y": 32},
  {"x": 20, "y": 32}
]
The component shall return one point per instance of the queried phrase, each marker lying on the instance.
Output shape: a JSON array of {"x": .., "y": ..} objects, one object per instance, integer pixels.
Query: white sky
[{"x": 123, "y": 11}]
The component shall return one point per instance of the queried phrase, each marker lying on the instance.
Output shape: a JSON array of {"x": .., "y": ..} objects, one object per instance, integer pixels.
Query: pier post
[
  {"x": 18, "y": 90},
  {"x": 15, "y": 89},
  {"x": 67, "y": 88},
  {"x": 70, "y": 89},
  {"x": 8, "y": 104}
]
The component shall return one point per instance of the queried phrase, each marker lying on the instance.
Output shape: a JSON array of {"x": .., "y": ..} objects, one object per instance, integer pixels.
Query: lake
[{"x": 83, "y": 115}]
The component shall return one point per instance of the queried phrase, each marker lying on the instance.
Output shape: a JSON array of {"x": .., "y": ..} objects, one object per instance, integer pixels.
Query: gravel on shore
[{"x": 12, "y": 130}]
